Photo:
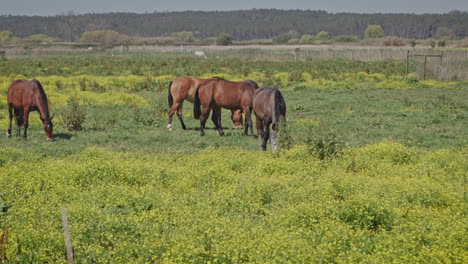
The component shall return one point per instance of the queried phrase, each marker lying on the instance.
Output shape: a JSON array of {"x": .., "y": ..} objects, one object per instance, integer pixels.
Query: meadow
[{"x": 372, "y": 166}]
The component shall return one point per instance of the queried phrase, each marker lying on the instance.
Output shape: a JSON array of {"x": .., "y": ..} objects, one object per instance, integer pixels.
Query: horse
[
  {"x": 183, "y": 88},
  {"x": 218, "y": 93},
  {"x": 26, "y": 96},
  {"x": 269, "y": 108}
]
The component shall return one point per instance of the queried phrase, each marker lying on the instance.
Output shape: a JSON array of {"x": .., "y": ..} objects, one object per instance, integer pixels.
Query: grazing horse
[
  {"x": 183, "y": 88},
  {"x": 218, "y": 93},
  {"x": 26, "y": 96},
  {"x": 270, "y": 108}
]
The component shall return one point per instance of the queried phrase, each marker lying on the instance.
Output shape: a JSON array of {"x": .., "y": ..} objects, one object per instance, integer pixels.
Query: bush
[
  {"x": 322, "y": 35},
  {"x": 40, "y": 38},
  {"x": 5, "y": 36},
  {"x": 74, "y": 115},
  {"x": 306, "y": 39},
  {"x": 346, "y": 38},
  {"x": 224, "y": 39},
  {"x": 441, "y": 43},
  {"x": 325, "y": 147},
  {"x": 413, "y": 43},
  {"x": 183, "y": 37},
  {"x": 281, "y": 39},
  {"x": 393, "y": 41},
  {"x": 374, "y": 31},
  {"x": 104, "y": 37}
]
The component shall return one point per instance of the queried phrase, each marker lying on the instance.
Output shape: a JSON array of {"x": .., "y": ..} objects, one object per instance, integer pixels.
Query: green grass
[{"x": 427, "y": 118}]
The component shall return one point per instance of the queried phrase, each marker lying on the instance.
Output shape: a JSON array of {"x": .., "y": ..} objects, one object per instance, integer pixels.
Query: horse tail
[
  {"x": 279, "y": 107},
  {"x": 196, "y": 104},
  {"x": 254, "y": 84},
  {"x": 170, "y": 99}
]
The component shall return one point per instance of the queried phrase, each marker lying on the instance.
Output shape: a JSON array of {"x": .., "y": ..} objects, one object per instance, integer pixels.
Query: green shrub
[
  {"x": 281, "y": 39},
  {"x": 325, "y": 147},
  {"x": 74, "y": 115},
  {"x": 306, "y": 39},
  {"x": 374, "y": 31},
  {"x": 346, "y": 38},
  {"x": 224, "y": 39}
]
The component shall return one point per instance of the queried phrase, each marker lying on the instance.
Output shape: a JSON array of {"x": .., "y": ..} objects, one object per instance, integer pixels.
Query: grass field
[{"x": 372, "y": 168}]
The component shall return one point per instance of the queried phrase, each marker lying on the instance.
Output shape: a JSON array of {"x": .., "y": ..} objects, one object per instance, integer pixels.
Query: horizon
[
  {"x": 72, "y": 12},
  {"x": 84, "y": 7}
]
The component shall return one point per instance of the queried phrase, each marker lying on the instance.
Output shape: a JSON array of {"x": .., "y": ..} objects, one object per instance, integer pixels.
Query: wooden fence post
[
  {"x": 407, "y": 64},
  {"x": 67, "y": 235}
]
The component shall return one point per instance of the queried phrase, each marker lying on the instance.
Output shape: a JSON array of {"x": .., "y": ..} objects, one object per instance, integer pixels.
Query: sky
[{"x": 58, "y": 7}]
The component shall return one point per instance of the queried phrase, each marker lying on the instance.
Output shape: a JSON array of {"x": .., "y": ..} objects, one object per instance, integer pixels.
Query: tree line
[{"x": 241, "y": 25}]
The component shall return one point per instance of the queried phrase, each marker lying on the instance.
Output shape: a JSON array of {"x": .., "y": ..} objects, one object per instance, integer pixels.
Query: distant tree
[
  {"x": 432, "y": 43},
  {"x": 306, "y": 39},
  {"x": 68, "y": 26},
  {"x": 444, "y": 33},
  {"x": 346, "y": 38},
  {"x": 5, "y": 36},
  {"x": 40, "y": 38},
  {"x": 104, "y": 37},
  {"x": 374, "y": 31},
  {"x": 322, "y": 35},
  {"x": 183, "y": 37},
  {"x": 441, "y": 43},
  {"x": 413, "y": 43},
  {"x": 224, "y": 39},
  {"x": 293, "y": 34},
  {"x": 281, "y": 39}
]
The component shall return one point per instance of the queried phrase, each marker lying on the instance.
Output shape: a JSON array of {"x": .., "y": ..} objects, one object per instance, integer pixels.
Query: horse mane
[
  {"x": 219, "y": 78},
  {"x": 43, "y": 96},
  {"x": 255, "y": 85}
]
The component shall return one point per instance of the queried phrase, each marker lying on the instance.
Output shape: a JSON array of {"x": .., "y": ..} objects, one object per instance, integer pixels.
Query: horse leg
[
  {"x": 26, "y": 123},
  {"x": 203, "y": 117},
  {"x": 216, "y": 118},
  {"x": 179, "y": 115},
  {"x": 171, "y": 113},
  {"x": 274, "y": 137},
  {"x": 259, "y": 125},
  {"x": 265, "y": 135},
  {"x": 19, "y": 120},
  {"x": 248, "y": 122},
  {"x": 10, "y": 111}
]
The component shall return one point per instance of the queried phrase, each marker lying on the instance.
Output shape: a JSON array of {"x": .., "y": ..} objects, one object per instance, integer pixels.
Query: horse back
[
  {"x": 24, "y": 93},
  {"x": 183, "y": 87}
]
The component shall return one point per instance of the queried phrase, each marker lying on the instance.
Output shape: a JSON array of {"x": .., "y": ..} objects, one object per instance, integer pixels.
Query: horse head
[{"x": 48, "y": 128}]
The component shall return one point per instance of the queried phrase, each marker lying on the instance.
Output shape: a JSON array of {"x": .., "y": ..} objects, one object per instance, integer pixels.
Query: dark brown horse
[
  {"x": 26, "y": 96},
  {"x": 270, "y": 108},
  {"x": 218, "y": 93},
  {"x": 183, "y": 88}
]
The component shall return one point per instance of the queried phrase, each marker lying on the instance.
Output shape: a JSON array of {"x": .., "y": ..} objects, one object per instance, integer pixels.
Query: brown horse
[
  {"x": 218, "y": 93},
  {"x": 26, "y": 96},
  {"x": 183, "y": 88},
  {"x": 270, "y": 108}
]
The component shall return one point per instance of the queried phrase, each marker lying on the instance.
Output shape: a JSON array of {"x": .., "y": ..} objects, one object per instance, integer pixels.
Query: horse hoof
[
  {"x": 169, "y": 127},
  {"x": 8, "y": 135},
  {"x": 51, "y": 139}
]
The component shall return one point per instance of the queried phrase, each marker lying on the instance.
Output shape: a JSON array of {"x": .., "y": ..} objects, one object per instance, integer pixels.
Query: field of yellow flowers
[
  {"x": 372, "y": 168},
  {"x": 378, "y": 203}
]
